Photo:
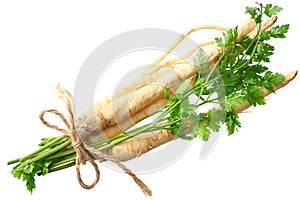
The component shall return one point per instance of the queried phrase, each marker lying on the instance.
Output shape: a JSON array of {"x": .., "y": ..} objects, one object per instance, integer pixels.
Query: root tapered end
[{"x": 291, "y": 75}]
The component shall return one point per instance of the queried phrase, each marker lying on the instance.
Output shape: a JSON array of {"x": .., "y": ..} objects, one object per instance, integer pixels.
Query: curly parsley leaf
[
  {"x": 259, "y": 10},
  {"x": 256, "y": 12},
  {"x": 276, "y": 78},
  {"x": 228, "y": 39},
  {"x": 215, "y": 117},
  {"x": 232, "y": 122},
  {"x": 28, "y": 172},
  {"x": 275, "y": 32},
  {"x": 271, "y": 10}
]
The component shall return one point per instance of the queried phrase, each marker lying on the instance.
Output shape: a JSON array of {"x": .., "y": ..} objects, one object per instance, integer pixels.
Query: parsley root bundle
[{"x": 231, "y": 74}]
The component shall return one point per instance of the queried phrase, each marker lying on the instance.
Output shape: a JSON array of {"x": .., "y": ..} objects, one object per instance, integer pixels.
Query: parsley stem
[
  {"x": 129, "y": 135},
  {"x": 138, "y": 121},
  {"x": 61, "y": 167},
  {"x": 57, "y": 164},
  {"x": 33, "y": 154},
  {"x": 13, "y": 161},
  {"x": 49, "y": 152},
  {"x": 107, "y": 140},
  {"x": 72, "y": 151}
]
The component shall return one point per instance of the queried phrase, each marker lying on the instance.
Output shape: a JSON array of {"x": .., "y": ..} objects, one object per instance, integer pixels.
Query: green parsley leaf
[
  {"x": 277, "y": 78},
  {"x": 264, "y": 51},
  {"x": 236, "y": 100},
  {"x": 232, "y": 122},
  {"x": 255, "y": 12},
  {"x": 259, "y": 10},
  {"x": 254, "y": 96},
  {"x": 215, "y": 117},
  {"x": 252, "y": 11},
  {"x": 279, "y": 31},
  {"x": 30, "y": 181},
  {"x": 17, "y": 173},
  {"x": 275, "y": 32},
  {"x": 203, "y": 131},
  {"x": 229, "y": 38},
  {"x": 271, "y": 78},
  {"x": 29, "y": 168},
  {"x": 28, "y": 171},
  {"x": 271, "y": 10}
]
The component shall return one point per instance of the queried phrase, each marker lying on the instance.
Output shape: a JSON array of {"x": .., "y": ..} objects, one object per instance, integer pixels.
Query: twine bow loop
[
  {"x": 80, "y": 147},
  {"x": 81, "y": 155}
]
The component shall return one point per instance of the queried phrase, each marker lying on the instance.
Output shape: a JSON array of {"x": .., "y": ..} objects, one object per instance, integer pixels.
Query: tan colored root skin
[
  {"x": 119, "y": 127},
  {"x": 138, "y": 82},
  {"x": 123, "y": 107},
  {"x": 137, "y": 146},
  {"x": 141, "y": 144},
  {"x": 102, "y": 115},
  {"x": 127, "y": 105},
  {"x": 245, "y": 28}
]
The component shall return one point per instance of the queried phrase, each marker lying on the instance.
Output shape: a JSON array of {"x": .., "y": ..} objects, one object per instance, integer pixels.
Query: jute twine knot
[{"x": 83, "y": 151}]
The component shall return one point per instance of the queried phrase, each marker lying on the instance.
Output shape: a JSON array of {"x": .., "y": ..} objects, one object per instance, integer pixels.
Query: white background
[{"x": 43, "y": 43}]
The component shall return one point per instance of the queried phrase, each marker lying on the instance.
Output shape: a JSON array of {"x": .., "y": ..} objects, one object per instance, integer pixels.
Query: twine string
[{"x": 83, "y": 151}]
